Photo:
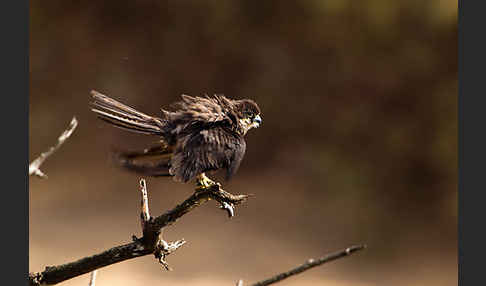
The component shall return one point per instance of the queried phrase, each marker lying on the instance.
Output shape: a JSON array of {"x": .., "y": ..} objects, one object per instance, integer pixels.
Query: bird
[{"x": 201, "y": 135}]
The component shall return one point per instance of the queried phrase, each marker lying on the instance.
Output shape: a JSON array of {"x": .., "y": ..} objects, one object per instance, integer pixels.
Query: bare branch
[
  {"x": 214, "y": 192},
  {"x": 164, "y": 248},
  {"x": 92, "y": 280},
  {"x": 34, "y": 167},
  {"x": 145, "y": 214},
  {"x": 149, "y": 243},
  {"x": 309, "y": 264}
]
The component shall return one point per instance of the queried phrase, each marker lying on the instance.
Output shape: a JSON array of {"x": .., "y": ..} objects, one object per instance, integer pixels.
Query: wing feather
[
  {"x": 153, "y": 161},
  {"x": 199, "y": 109},
  {"x": 206, "y": 150}
]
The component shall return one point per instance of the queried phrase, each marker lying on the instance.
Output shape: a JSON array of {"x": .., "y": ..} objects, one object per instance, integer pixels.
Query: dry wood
[
  {"x": 34, "y": 167},
  {"x": 92, "y": 279},
  {"x": 307, "y": 265},
  {"x": 149, "y": 243}
]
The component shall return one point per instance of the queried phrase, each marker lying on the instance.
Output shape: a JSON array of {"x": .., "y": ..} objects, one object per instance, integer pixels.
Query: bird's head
[{"x": 248, "y": 115}]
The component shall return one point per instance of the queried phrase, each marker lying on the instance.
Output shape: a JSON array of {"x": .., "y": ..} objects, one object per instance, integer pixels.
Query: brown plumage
[{"x": 201, "y": 135}]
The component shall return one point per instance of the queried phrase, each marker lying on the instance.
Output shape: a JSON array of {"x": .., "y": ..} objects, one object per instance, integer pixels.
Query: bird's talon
[
  {"x": 229, "y": 207},
  {"x": 203, "y": 182}
]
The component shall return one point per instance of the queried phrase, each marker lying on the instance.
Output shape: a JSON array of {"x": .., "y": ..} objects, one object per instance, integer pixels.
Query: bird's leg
[{"x": 203, "y": 182}]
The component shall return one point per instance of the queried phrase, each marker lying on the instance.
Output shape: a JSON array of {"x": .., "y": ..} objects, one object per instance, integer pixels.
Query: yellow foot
[{"x": 203, "y": 182}]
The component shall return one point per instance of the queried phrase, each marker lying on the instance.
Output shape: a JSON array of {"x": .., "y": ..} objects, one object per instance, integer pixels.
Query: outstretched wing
[
  {"x": 205, "y": 150},
  {"x": 191, "y": 110}
]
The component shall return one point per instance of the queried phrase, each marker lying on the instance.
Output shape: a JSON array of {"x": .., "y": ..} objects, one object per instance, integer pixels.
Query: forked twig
[
  {"x": 162, "y": 248},
  {"x": 34, "y": 167},
  {"x": 150, "y": 243}
]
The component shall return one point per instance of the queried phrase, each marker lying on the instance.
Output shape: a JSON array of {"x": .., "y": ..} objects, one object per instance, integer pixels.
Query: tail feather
[
  {"x": 154, "y": 161},
  {"x": 124, "y": 116}
]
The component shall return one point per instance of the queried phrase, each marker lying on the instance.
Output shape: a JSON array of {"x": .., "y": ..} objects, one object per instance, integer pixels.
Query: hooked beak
[{"x": 257, "y": 120}]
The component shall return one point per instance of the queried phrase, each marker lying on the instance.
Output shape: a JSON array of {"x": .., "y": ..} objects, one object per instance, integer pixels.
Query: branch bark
[
  {"x": 311, "y": 263},
  {"x": 34, "y": 167},
  {"x": 149, "y": 243}
]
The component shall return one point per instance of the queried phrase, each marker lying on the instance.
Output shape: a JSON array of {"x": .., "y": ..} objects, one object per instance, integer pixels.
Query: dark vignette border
[
  {"x": 472, "y": 141},
  {"x": 460, "y": 136},
  {"x": 14, "y": 25}
]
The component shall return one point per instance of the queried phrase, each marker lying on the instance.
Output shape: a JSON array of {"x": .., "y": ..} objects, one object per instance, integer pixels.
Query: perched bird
[{"x": 203, "y": 134}]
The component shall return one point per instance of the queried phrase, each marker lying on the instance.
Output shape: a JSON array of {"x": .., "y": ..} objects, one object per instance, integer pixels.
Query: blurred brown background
[{"x": 358, "y": 143}]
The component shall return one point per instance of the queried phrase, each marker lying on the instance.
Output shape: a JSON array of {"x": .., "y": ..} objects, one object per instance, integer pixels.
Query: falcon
[{"x": 203, "y": 134}]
